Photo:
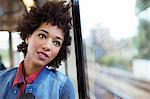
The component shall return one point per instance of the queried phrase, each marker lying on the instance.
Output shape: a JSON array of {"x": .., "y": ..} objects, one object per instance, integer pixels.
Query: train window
[
  {"x": 8, "y": 48},
  {"x": 116, "y": 35},
  {"x": 17, "y": 56},
  {"x": 4, "y": 48}
]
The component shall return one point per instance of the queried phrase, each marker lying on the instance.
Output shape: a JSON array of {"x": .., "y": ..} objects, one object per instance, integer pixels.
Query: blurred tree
[
  {"x": 142, "y": 5},
  {"x": 116, "y": 60},
  {"x": 143, "y": 38}
]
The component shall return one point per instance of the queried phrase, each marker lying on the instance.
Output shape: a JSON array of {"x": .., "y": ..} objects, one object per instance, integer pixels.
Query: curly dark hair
[{"x": 54, "y": 12}]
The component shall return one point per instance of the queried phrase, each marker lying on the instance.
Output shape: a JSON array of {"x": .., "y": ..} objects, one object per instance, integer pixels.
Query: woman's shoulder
[
  {"x": 66, "y": 86},
  {"x": 8, "y": 72},
  {"x": 57, "y": 74}
]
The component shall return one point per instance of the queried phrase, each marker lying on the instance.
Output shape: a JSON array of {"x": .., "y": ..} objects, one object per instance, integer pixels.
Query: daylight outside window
[{"x": 116, "y": 35}]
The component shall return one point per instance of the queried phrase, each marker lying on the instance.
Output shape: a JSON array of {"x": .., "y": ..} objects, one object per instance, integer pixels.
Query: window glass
[
  {"x": 17, "y": 56},
  {"x": 4, "y": 48},
  {"x": 116, "y": 35}
]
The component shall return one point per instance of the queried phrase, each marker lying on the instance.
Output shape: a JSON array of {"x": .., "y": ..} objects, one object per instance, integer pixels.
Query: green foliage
[
  {"x": 115, "y": 60},
  {"x": 4, "y": 54},
  {"x": 142, "y": 40},
  {"x": 142, "y": 5}
]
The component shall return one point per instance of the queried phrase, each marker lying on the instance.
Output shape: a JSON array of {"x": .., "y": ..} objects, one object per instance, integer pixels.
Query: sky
[{"x": 117, "y": 15}]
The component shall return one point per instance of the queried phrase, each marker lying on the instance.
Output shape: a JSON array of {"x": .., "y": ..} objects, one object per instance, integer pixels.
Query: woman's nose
[{"x": 47, "y": 46}]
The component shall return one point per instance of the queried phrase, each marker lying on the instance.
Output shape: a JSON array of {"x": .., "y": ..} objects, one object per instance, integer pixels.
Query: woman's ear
[{"x": 27, "y": 39}]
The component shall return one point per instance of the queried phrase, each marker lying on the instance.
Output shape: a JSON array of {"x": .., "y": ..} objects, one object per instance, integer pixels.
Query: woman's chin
[{"x": 41, "y": 63}]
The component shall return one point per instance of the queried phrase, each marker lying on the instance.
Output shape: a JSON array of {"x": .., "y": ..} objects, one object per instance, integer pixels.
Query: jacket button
[
  {"x": 15, "y": 91},
  {"x": 30, "y": 90}
]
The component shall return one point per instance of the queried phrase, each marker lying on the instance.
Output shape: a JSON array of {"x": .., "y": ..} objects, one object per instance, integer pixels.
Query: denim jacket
[{"x": 49, "y": 84}]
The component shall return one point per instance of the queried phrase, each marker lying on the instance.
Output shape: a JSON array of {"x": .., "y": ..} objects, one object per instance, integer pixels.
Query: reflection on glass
[{"x": 116, "y": 34}]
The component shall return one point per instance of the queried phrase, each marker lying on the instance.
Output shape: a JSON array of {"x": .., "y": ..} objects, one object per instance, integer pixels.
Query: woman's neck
[{"x": 29, "y": 67}]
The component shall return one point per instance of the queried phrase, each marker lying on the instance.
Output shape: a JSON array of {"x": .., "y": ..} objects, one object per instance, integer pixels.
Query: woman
[{"x": 46, "y": 37}]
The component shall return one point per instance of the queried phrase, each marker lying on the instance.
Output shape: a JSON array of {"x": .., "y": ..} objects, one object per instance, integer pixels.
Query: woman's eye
[
  {"x": 42, "y": 36},
  {"x": 57, "y": 43}
]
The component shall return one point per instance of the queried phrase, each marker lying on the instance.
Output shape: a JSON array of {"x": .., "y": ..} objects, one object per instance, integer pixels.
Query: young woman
[{"x": 46, "y": 37}]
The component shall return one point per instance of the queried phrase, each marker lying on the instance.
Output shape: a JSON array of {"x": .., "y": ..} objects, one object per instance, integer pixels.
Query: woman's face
[{"x": 44, "y": 44}]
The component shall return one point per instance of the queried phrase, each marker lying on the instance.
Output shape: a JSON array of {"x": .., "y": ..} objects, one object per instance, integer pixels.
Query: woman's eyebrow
[
  {"x": 59, "y": 38},
  {"x": 44, "y": 31}
]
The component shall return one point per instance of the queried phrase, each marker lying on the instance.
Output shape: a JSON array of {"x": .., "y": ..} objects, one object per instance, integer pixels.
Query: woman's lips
[{"x": 42, "y": 55}]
